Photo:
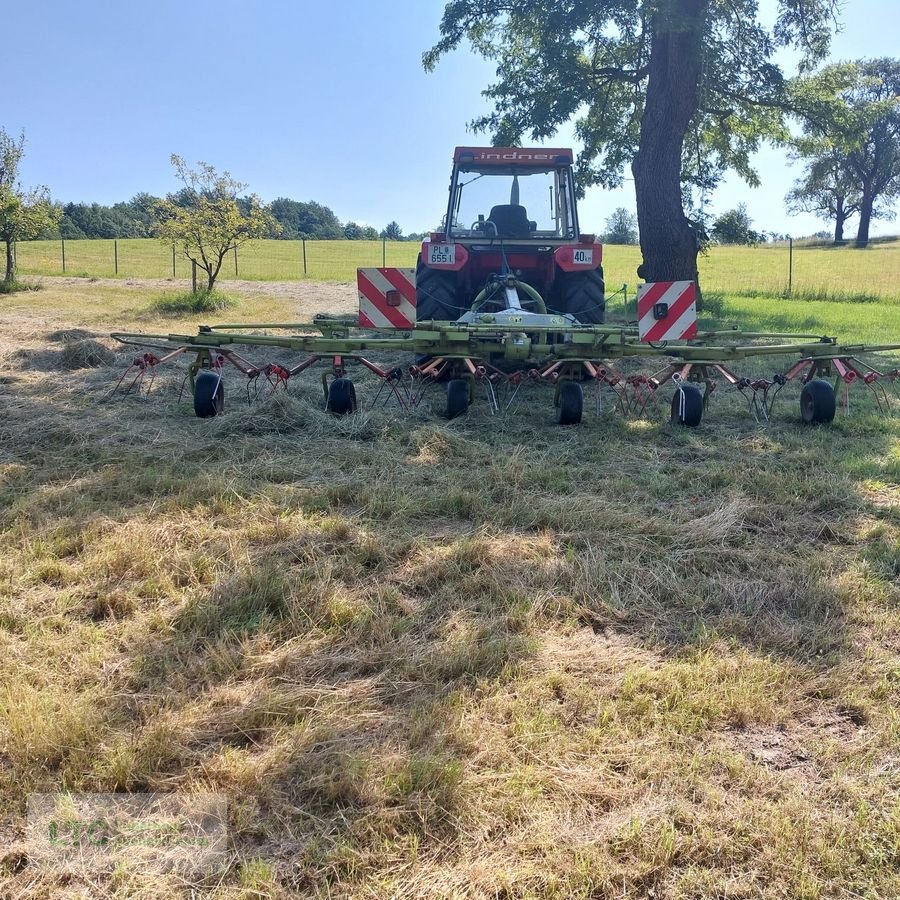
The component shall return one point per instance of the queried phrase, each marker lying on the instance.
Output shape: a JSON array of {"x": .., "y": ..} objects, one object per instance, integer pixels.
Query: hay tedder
[{"x": 500, "y": 300}]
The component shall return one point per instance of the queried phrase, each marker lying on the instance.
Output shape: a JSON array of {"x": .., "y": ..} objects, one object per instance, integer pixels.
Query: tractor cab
[
  {"x": 511, "y": 195},
  {"x": 511, "y": 233}
]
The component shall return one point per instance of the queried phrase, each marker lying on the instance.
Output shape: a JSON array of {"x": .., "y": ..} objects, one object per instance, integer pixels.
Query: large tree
[
  {"x": 208, "y": 219},
  {"x": 679, "y": 89},
  {"x": 861, "y": 120},
  {"x": 24, "y": 213},
  {"x": 827, "y": 189}
]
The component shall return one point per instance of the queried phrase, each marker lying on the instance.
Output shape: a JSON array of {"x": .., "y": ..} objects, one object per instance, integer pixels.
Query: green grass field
[
  {"x": 818, "y": 273},
  {"x": 475, "y": 659}
]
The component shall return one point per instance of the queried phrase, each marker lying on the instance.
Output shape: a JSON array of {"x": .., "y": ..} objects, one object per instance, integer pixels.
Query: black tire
[
  {"x": 457, "y": 397},
  {"x": 436, "y": 295},
  {"x": 692, "y": 412},
  {"x": 571, "y": 403},
  {"x": 817, "y": 401},
  {"x": 582, "y": 295},
  {"x": 341, "y": 397},
  {"x": 209, "y": 394}
]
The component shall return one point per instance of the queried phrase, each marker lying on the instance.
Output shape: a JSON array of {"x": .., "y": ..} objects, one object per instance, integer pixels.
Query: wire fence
[{"x": 779, "y": 269}]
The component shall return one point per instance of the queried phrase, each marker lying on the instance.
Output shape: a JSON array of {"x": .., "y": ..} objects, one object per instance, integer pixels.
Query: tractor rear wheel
[
  {"x": 436, "y": 295},
  {"x": 209, "y": 394},
  {"x": 341, "y": 397},
  {"x": 582, "y": 295},
  {"x": 571, "y": 403},
  {"x": 687, "y": 405},
  {"x": 817, "y": 401},
  {"x": 457, "y": 397}
]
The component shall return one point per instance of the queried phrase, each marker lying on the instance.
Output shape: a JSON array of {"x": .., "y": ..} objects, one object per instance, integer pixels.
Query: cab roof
[{"x": 538, "y": 157}]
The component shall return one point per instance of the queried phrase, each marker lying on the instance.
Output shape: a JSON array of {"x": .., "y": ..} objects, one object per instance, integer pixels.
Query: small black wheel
[
  {"x": 817, "y": 401},
  {"x": 341, "y": 397},
  {"x": 687, "y": 405},
  {"x": 571, "y": 403},
  {"x": 209, "y": 394},
  {"x": 457, "y": 397}
]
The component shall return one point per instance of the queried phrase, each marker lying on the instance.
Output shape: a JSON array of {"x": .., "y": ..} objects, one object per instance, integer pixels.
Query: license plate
[
  {"x": 583, "y": 257},
  {"x": 442, "y": 254}
]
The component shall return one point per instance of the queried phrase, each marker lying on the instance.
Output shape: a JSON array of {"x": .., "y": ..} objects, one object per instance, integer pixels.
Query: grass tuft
[
  {"x": 14, "y": 287},
  {"x": 189, "y": 302}
]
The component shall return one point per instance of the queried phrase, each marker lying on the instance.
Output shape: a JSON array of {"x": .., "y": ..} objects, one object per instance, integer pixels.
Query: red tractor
[{"x": 510, "y": 242}]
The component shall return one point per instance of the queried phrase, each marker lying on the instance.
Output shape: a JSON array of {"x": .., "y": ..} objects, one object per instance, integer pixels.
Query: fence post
[
  {"x": 173, "y": 259},
  {"x": 383, "y": 252},
  {"x": 63, "y": 242},
  {"x": 790, "y": 266},
  {"x": 194, "y": 275},
  {"x": 116, "y": 255},
  {"x": 235, "y": 263},
  {"x": 305, "y": 270}
]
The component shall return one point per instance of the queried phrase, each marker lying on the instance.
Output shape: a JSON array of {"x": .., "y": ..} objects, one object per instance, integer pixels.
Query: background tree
[
  {"x": 734, "y": 227},
  {"x": 854, "y": 110},
  {"x": 392, "y": 232},
  {"x": 680, "y": 89},
  {"x": 827, "y": 190},
  {"x": 24, "y": 214},
  {"x": 205, "y": 218},
  {"x": 621, "y": 227},
  {"x": 305, "y": 221}
]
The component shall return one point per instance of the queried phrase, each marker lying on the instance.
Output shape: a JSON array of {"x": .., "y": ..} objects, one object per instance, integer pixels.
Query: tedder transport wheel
[
  {"x": 581, "y": 294},
  {"x": 817, "y": 401},
  {"x": 436, "y": 295},
  {"x": 457, "y": 397},
  {"x": 341, "y": 397},
  {"x": 687, "y": 405},
  {"x": 209, "y": 394},
  {"x": 571, "y": 403}
]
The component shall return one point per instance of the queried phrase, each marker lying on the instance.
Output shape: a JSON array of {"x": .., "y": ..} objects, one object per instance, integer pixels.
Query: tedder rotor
[{"x": 501, "y": 299}]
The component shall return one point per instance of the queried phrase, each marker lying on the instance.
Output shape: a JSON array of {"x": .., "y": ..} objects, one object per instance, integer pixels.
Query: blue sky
[{"x": 301, "y": 99}]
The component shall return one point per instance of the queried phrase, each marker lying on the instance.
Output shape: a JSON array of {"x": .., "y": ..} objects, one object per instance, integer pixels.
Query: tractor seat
[{"x": 511, "y": 221}]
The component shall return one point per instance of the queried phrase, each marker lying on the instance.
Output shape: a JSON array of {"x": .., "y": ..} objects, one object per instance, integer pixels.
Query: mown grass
[
  {"x": 472, "y": 659},
  {"x": 819, "y": 273}
]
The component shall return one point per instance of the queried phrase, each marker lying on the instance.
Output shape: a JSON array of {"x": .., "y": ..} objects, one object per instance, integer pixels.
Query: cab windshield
[{"x": 512, "y": 204}]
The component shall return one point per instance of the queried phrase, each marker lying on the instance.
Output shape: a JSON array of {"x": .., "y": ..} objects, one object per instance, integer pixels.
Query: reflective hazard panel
[
  {"x": 387, "y": 297},
  {"x": 667, "y": 311}
]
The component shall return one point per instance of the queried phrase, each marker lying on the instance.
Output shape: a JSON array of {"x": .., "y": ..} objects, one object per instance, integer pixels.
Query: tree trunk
[
  {"x": 839, "y": 218},
  {"x": 669, "y": 242},
  {"x": 210, "y": 281},
  {"x": 10, "y": 263},
  {"x": 865, "y": 219}
]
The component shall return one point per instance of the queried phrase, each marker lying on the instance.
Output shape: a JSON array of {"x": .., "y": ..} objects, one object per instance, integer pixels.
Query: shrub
[{"x": 189, "y": 302}]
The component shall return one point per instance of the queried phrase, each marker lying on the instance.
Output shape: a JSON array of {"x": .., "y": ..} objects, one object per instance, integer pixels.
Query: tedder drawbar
[{"x": 510, "y": 292}]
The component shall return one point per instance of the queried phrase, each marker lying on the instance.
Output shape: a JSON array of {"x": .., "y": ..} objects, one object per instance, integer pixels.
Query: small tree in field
[
  {"x": 733, "y": 227},
  {"x": 392, "y": 232},
  {"x": 24, "y": 214},
  {"x": 207, "y": 220},
  {"x": 621, "y": 227}
]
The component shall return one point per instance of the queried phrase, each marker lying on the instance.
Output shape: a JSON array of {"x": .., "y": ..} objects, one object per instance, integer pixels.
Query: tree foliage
[
  {"x": 680, "y": 90},
  {"x": 621, "y": 227},
  {"x": 205, "y": 218},
  {"x": 853, "y": 116},
  {"x": 734, "y": 227},
  {"x": 392, "y": 232},
  {"x": 24, "y": 213},
  {"x": 309, "y": 221}
]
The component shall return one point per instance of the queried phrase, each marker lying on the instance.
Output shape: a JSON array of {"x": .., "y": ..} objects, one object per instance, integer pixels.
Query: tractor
[{"x": 510, "y": 242}]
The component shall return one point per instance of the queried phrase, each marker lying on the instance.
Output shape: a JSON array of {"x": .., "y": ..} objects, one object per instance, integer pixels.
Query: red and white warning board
[
  {"x": 667, "y": 310},
  {"x": 387, "y": 297}
]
